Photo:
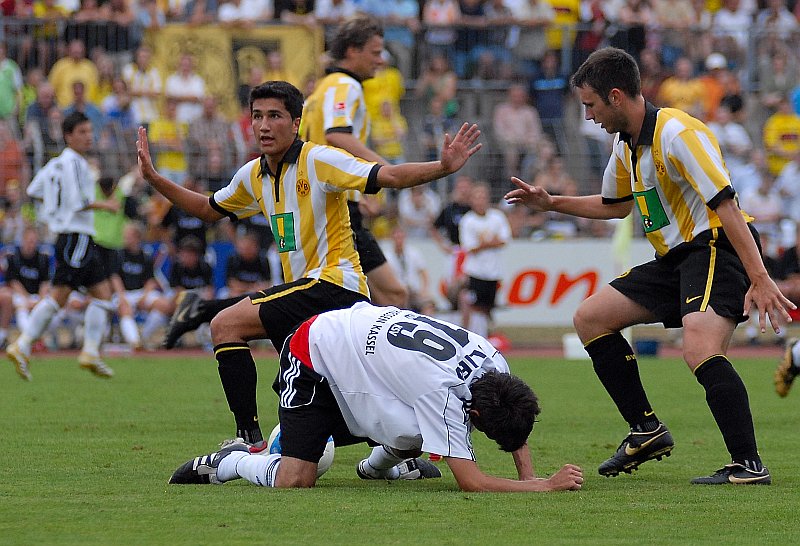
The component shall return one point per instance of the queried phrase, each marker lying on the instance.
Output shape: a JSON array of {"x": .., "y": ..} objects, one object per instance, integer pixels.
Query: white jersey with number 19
[{"x": 400, "y": 378}]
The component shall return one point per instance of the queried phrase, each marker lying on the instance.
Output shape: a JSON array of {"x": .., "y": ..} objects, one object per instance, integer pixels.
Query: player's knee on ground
[{"x": 296, "y": 473}]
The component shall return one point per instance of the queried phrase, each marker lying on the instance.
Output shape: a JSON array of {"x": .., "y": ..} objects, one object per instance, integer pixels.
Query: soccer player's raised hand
[
  {"x": 143, "y": 152},
  {"x": 456, "y": 151},
  {"x": 534, "y": 197}
]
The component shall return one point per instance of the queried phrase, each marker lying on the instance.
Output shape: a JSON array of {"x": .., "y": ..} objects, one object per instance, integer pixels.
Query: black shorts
[
  {"x": 78, "y": 262},
  {"x": 108, "y": 257},
  {"x": 307, "y": 408},
  {"x": 482, "y": 293},
  {"x": 705, "y": 272},
  {"x": 369, "y": 251},
  {"x": 283, "y": 307}
]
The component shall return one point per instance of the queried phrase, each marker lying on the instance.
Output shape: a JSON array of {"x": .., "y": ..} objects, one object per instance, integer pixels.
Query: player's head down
[
  {"x": 285, "y": 92},
  {"x": 607, "y": 69},
  {"x": 504, "y": 408}
]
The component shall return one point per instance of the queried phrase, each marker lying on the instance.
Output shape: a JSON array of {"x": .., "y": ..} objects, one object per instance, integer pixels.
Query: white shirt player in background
[
  {"x": 67, "y": 189},
  {"x": 409, "y": 382},
  {"x": 483, "y": 232}
]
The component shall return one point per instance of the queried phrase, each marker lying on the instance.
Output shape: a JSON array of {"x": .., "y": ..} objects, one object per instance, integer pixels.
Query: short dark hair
[
  {"x": 71, "y": 121},
  {"x": 354, "y": 32},
  {"x": 506, "y": 409},
  {"x": 606, "y": 69},
  {"x": 291, "y": 96}
]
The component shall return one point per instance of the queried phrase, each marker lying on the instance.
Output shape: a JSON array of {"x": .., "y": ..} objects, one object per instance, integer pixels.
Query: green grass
[{"x": 85, "y": 461}]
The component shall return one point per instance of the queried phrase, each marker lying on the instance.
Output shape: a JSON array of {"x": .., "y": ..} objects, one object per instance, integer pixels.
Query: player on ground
[
  {"x": 405, "y": 381},
  {"x": 67, "y": 190},
  {"x": 707, "y": 274},
  {"x": 298, "y": 186}
]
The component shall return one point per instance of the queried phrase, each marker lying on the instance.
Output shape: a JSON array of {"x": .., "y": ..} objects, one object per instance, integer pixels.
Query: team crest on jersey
[{"x": 303, "y": 187}]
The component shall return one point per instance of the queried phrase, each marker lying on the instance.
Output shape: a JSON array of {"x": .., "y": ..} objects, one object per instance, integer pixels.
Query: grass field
[{"x": 86, "y": 461}]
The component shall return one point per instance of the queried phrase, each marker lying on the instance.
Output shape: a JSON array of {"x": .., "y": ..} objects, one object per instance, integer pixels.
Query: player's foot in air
[
  {"x": 203, "y": 469},
  {"x": 637, "y": 448},
  {"x": 185, "y": 318},
  {"x": 19, "y": 360},
  {"x": 737, "y": 474},
  {"x": 411, "y": 469},
  {"x": 787, "y": 370},
  {"x": 95, "y": 365}
]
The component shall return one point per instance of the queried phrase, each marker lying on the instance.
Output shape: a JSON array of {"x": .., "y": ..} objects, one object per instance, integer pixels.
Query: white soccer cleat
[
  {"x": 95, "y": 365},
  {"x": 411, "y": 469},
  {"x": 20, "y": 361}
]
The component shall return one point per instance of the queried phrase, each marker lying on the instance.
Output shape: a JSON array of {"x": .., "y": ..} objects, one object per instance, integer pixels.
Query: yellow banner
[{"x": 224, "y": 57}]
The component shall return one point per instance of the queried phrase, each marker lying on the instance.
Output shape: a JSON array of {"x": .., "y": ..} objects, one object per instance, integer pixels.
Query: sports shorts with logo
[
  {"x": 283, "y": 307},
  {"x": 702, "y": 273},
  {"x": 307, "y": 408},
  {"x": 78, "y": 263}
]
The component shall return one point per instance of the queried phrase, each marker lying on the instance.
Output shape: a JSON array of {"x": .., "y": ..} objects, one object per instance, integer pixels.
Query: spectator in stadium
[
  {"x": 653, "y": 74},
  {"x": 518, "y": 130},
  {"x": 472, "y": 37},
  {"x": 80, "y": 103},
  {"x": 141, "y": 289},
  {"x": 788, "y": 273},
  {"x": 731, "y": 26},
  {"x": 243, "y": 14},
  {"x": 331, "y": 13},
  {"x": 532, "y": 17},
  {"x": 411, "y": 269},
  {"x": 777, "y": 76},
  {"x": 401, "y": 24},
  {"x": 781, "y": 136},
  {"x": 247, "y": 269},
  {"x": 276, "y": 70},
  {"x": 210, "y": 136},
  {"x": 14, "y": 219},
  {"x": 719, "y": 254},
  {"x": 49, "y": 15},
  {"x": 633, "y": 19},
  {"x": 150, "y": 15},
  {"x": 417, "y": 208},
  {"x": 183, "y": 225},
  {"x": 715, "y": 83},
  {"x": 296, "y": 12},
  {"x": 483, "y": 233},
  {"x": 549, "y": 91},
  {"x": 438, "y": 83},
  {"x": 775, "y": 19},
  {"x": 788, "y": 187},
  {"x": 440, "y": 18},
  {"x": 500, "y": 405},
  {"x": 276, "y": 113},
  {"x": 764, "y": 204},
  {"x": 27, "y": 275},
  {"x": 445, "y": 227},
  {"x": 672, "y": 21},
  {"x": 187, "y": 88},
  {"x": 13, "y": 167},
  {"x": 735, "y": 144},
  {"x": 117, "y": 108},
  {"x": 67, "y": 209},
  {"x": 168, "y": 135},
  {"x": 70, "y": 69},
  {"x": 388, "y": 85},
  {"x": 144, "y": 85},
  {"x": 10, "y": 85},
  {"x": 31, "y": 81},
  {"x": 682, "y": 90},
  {"x": 388, "y": 133}
]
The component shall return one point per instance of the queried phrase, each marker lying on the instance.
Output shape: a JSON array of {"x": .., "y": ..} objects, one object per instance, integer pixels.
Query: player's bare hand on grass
[
  {"x": 767, "y": 298},
  {"x": 146, "y": 167},
  {"x": 534, "y": 197},
  {"x": 569, "y": 478},
  {"x": 456, "y": 151}
]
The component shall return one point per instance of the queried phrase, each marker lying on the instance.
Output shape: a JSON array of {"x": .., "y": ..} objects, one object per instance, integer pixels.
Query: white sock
[
  {"x": 130, "y": 332},
  {"x": 256, "y": 469},
  {"x": 381, "y": 464},
  {"x": 38, "y": 321},
  {"x": 3, "y": 335},
  {"x": 95, "y": 325},
  {"x": 155, "y": 320},
  {"x": 796, "y": 354},
  {"x": 21, "y": 315},
  {"x": 479, "y": 323}
]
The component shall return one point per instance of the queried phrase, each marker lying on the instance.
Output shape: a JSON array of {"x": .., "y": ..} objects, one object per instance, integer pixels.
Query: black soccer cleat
[
  {"x": 203, "y": 469},
  {"x": 186, "y": 318},
  {"x": 411, "y": 469},
  {"x": 637, "y": 448},
  {"x": 737, "y": 474}
]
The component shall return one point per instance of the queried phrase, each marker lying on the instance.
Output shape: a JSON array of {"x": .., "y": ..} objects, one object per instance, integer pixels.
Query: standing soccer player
[
  {"x": 707, "y": 274},
  {"x": 298, "y": 186},
  {"x": 67, "y": 190}
]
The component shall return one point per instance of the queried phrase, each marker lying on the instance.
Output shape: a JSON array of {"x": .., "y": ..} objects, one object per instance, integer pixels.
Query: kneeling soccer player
[{"x": 404, "y": 381}]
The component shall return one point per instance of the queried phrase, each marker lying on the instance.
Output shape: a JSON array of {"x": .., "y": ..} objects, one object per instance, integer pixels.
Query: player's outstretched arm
[
  {"x": 470, "y": 478},
  {"x": 190, "y": 201},
  {"x": 455, "y": 153},
  {"x": 585, "y": 206}
]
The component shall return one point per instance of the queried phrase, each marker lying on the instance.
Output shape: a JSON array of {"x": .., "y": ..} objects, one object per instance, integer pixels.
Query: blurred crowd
[{"x": 504, "y": 63}]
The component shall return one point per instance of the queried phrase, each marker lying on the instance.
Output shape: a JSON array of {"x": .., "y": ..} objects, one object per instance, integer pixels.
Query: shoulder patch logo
[
  {"x": 303, "y": 187},
  {"x": 661, "y": 169}
]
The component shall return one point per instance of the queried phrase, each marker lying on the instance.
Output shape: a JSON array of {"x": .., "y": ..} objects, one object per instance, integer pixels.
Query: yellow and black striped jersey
[
  {"x": 306, "y": 205},
  {"x": 675, "y": 175},
  {"x": 336, "y": 105}
]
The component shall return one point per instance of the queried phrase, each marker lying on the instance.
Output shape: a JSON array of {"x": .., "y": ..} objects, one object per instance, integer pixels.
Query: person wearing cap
[{"x": 715, "y": 83}]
